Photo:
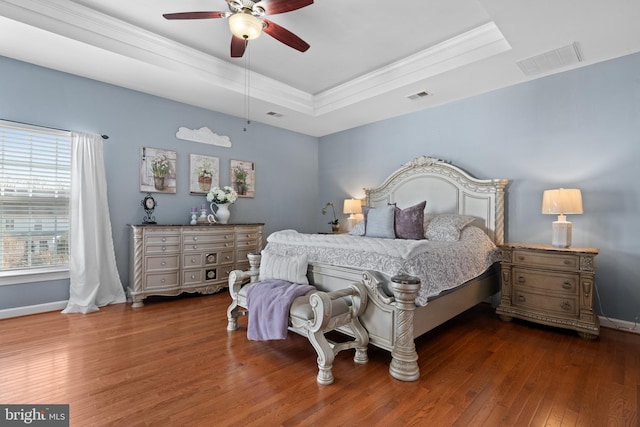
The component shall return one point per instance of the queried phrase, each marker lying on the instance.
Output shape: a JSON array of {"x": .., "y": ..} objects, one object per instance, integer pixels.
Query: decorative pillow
[
  {"x": 379, "y": 222},
  {"x": 292, "y": 268},
  {"x": 447, "y": 227},
  {"x": 427, "y": 219},
  {"x": 409, "y": 222},
  {"x": 358, "y": 229}
]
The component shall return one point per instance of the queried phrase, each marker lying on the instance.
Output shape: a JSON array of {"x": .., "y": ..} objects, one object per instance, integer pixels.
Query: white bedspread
[{"x": 439, "y": 265}]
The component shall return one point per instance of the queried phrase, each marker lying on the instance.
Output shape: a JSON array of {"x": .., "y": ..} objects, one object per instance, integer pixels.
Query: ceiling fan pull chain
[{"x": 247, "y": 84}]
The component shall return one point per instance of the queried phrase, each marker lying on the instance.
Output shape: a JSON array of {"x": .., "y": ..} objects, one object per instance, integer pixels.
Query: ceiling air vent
[
  {"x": 552, "y": 60},
  {"x": 274, "y": 114},
  {"x": 418, "y": 95}
]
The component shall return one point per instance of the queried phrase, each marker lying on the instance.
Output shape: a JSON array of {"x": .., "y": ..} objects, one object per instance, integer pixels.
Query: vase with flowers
[
  {"x": 240, "y": 176},
  {"x": 221, "y": 198},
  {"x": 335, "y": 224},
  {"x": 160, "y": 168},
  {"x": 205, "y": 173}
]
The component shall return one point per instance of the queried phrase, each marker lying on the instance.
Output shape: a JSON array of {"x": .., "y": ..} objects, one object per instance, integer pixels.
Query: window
[{"x": 35, "y": 182}]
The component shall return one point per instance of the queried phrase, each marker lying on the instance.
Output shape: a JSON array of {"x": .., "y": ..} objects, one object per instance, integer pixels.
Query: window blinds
[{"x": 35, "y": 183}]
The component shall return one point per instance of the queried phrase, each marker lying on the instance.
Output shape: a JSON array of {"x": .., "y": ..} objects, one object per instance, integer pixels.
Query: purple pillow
[{"x": 409, "y": 222}]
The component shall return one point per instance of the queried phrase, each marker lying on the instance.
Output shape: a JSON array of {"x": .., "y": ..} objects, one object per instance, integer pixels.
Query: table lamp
[
  {"x": 561, "y": 201},
  {"x": 352, "y": 207}
]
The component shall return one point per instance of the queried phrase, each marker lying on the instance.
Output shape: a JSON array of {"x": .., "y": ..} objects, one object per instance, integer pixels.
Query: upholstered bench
[{"x": 311, "y": 315}]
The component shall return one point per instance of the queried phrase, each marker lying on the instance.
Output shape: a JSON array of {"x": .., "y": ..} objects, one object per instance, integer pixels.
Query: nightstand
[{"x": 549, "y": 285}]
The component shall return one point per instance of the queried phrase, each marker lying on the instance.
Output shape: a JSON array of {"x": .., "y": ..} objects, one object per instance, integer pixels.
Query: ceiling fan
[{"x": 246, "y": 21}]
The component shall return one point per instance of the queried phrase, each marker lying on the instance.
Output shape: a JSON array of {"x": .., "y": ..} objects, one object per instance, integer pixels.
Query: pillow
[
  {"x": 409, "y": 222},
  {"x": 379, "y": 222},
  {"x": 447, "y": 227},
  {"x": 292, "y": 268},
  {"x": 427, "y": 219},
  {"x": 358, "y": 229}
]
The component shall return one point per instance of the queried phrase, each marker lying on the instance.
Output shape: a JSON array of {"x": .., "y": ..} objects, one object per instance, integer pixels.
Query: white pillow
[
  {"x": 358, "y": 229},
  {"x": 292, "y": 268}
]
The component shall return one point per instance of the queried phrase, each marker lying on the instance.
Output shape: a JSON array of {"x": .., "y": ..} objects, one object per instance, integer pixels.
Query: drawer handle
[
  {"x": 226, "y": 245},
  {"x": 521, "y": 279},
  {"x": 164, "y": 239},
  {"x": 227, "y": 257},
  {"x": 521, "y": 258},
  {"x": 163, "y": 280},
  {"x": 193, "y": 260},
  {"x": 164, "y": 249},
  {"x": 567, "y": 285},
  {"x": 163, "y": 263},
  {"x": 521, "y": 298},
  {"x": 193, "y": 277},
  {"x": 567, "y": 262},
  {"x": 195, "y": 246},
  {"x": 566, "y": 305}
]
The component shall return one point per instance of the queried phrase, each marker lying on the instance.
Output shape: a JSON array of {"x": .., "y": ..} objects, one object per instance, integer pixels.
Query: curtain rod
[{"x": 49, "y": 127}]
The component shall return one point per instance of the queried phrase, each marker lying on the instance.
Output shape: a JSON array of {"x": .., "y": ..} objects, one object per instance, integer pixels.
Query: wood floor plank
[{"x": 172, "y": 362}]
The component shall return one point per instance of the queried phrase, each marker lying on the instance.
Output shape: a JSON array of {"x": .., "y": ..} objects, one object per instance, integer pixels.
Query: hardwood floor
[{"x": 172, "y": 363}]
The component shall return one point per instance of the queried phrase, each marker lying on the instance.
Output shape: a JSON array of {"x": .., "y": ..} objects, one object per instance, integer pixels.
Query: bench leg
[
  {"x": 361, "y": 341},
  {"x": 325, "y": 356}
]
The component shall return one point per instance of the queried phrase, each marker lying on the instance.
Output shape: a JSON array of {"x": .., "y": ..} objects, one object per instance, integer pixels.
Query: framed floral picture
[
  {"x": 204, "y": 173},
  {"x": 157, "y": 170},
  {"x": 243, "y": 178}
]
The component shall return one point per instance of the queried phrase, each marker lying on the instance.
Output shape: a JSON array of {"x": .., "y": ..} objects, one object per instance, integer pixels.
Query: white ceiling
[{"x": 366, "y": 57}]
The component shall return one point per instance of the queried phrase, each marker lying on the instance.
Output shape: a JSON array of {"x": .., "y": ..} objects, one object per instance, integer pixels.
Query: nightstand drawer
[
  {"x": 546, "y": 280},
  {"x": 547, "y": 260},
  {"x": 565, "y": 306}
]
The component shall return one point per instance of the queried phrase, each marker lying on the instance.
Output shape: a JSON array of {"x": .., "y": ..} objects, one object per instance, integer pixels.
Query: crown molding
[{"x": 83, "y": 24}]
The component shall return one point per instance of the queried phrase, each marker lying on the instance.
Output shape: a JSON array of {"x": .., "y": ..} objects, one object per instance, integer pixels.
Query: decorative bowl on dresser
[
  {"x": 172, "y": 259},
  {"x": 549, "y": 285}
]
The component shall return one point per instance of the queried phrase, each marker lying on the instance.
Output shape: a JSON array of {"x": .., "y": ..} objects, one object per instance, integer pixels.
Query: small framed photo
[
  {"x": 157, "y": 170},
  {"x": 204, "y": 173},
  {"x": 243, "y": 178}
]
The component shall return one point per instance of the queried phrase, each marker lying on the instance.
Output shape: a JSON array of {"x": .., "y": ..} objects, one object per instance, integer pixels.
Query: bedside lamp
[
  {"x": 561, "y": 201},
  {"x": 352, "y": 207}
]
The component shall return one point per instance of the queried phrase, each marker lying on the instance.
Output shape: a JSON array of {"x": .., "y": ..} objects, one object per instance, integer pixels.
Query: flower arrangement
[
  {"x": 324, "y": 211},
  {"x": 241, "y": 180},
  {"x": 205, "y": 170},
  {"x": 219, "y": 195},
  {"x": 160, "y": 166}
]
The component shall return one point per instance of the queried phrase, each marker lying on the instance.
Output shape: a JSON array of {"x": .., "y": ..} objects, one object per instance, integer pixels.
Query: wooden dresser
[
  {"x": 551, "y": 286},
  {"x": 171, "y": 259}
]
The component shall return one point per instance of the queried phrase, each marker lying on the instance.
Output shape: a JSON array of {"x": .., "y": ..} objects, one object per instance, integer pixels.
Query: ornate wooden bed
[{"x": 394, "y": 321}]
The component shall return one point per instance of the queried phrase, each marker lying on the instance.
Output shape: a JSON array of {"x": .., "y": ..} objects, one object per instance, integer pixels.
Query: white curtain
[{"x": 92, "y": 265}]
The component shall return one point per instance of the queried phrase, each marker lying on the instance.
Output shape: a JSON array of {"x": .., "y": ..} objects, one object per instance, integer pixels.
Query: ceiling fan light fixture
[{"x": 245, "y": 26}]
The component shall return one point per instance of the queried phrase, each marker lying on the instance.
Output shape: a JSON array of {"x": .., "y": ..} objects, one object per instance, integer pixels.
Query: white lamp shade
[
  {"x": 245, "y": 26},
  {"x": 352, "y": 206},
  {"x": 562, "y": 201}
]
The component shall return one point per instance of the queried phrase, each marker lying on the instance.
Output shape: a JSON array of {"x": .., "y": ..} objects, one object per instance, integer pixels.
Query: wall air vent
[
  {"x": 552, "y": 60},
  {"x": 418, "y": 95},
  {"x": 274, "y": 114}
]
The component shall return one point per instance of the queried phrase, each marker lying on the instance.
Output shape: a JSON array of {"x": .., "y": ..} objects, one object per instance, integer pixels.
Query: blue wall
[
  {"x": 575, "y": 129},
  {"x": 286, "y": 162},
  {"x": 580, "y": 128}
]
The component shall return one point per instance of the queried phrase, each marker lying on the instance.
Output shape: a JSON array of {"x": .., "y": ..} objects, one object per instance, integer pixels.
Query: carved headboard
[{"x": 447, "y": 189}]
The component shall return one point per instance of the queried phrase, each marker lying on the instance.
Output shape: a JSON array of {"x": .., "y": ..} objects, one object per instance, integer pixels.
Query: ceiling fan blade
[
  {"x": 281, "y": 6},
  {"x": 285, "y": 36},
  {"x": 195, "y": 15},
  {"x": 238, "y": 46}
]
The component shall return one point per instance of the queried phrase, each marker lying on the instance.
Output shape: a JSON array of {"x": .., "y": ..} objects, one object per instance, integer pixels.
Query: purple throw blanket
[{"x": 269, "y": 302}]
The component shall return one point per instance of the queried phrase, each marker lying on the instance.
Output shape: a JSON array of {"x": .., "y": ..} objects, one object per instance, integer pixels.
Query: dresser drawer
[
  {"x": 162, "y": 239},
  {"x": 190, "y": 277},
  {"x": 162, "y": 280},
  {"x": 566, "y": 283},
  {"x": 209, "y": 237},
  {"x": 565, "y": 306},
  {"x": 155, "y": 263},
  {"x": 204, "y": 246},
  {"x": 546, "y": 260}
]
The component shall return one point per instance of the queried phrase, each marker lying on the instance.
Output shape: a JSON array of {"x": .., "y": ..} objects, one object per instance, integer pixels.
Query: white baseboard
[
  {"x": 622, "y": 325},
  {"x": 32, "y": 309}
]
